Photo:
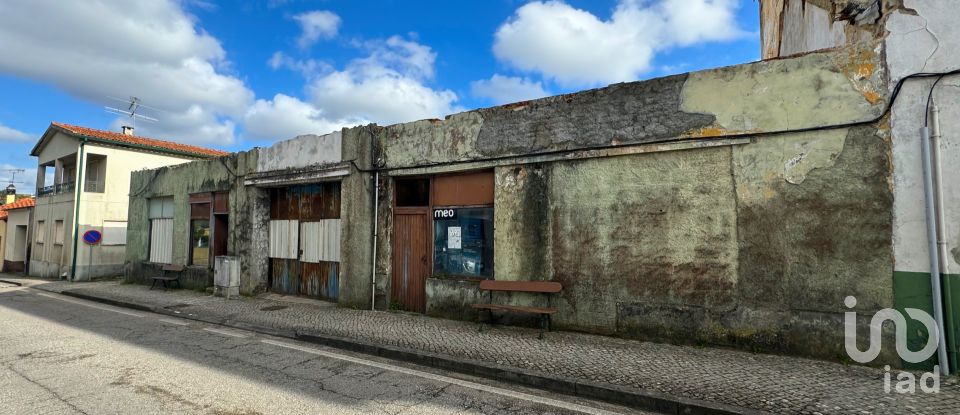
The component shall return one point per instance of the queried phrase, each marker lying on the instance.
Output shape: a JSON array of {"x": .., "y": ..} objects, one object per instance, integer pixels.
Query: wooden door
[{"x": 411, "y": 260}]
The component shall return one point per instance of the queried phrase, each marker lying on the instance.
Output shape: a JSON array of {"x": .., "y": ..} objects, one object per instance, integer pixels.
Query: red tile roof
[
  {"x": 20, "y": 204},
  {"x": 151, "y": 143}
]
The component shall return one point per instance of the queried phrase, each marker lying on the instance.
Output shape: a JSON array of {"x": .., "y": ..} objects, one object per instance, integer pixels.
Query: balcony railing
[
  {"x": 65, "y": 187},
  {"x": 93, "y": 186},
  {"x": 47, "y": 190}
]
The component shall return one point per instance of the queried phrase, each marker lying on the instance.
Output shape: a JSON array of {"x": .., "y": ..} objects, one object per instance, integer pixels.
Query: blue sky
[{"x": 234, "y": 75}]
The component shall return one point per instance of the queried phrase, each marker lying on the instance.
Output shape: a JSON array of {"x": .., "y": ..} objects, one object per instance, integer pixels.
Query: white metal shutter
[
  {"x": 161, "y": 240},
  {"x": 284, "y": 238},
  {"x": 320, "y": 241}
]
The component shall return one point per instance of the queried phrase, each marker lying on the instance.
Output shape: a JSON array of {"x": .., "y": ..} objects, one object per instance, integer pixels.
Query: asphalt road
[{"x": 61, "y": 355}]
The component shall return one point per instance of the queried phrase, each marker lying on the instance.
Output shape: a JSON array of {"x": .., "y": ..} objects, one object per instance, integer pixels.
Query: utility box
[{"x": 226, "y": 276}]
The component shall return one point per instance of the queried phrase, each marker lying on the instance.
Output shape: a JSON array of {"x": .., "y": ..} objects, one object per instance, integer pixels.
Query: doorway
[{"x": 305, "y": 240}]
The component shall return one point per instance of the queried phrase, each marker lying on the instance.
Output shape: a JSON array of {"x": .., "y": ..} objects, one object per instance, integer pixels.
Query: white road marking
[
  {"x": 83, "y": 303},
  {"x": 446, "y": 379},
  {"x": 224, "y": 332},
  {"x": 174, "y": 322}
]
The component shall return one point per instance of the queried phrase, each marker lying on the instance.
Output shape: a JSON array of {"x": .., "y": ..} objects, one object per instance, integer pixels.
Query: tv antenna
[
  {"x": 133, "y": 105},
  {"x": 13, "y": 175}
]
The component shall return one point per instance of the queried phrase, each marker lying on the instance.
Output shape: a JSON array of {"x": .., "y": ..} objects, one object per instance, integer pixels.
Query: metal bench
[
  {"x": 541, "y": 287},
  {"x": 164, "y": 278}
]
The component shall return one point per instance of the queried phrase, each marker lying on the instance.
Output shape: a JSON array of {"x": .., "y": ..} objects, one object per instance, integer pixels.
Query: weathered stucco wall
[
  {"x": 180, "y": 181},
  {"x": 301, "y": 151},
  {"x": 808, "y": 91},
  {"x": 747, "y": 243},
  {"x": 923, "y": 37}
]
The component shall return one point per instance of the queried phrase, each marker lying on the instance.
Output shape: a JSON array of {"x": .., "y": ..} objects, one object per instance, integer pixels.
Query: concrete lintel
[
  {"x": 570, "y": 155},
  {"x": 272, "y": 179}
]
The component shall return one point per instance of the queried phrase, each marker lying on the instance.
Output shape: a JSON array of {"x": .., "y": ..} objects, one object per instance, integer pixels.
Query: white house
[{"x": 84, "y": 174}]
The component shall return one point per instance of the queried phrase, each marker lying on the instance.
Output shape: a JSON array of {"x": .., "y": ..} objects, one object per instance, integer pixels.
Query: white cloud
[
  {"x": 149, "y": 49},
  {"x": 388, "y": 86},
  {"x": 10, "y": 134},
  {"x": 575, "y": 47},
  {"x": 284, "y": 117},
  {"x": 306, "y": 67},
  {"x": 506, "y": 89},
  {"x": 316, "y": 25}
]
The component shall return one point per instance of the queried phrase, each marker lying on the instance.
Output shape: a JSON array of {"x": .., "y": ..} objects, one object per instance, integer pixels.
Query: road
[{"x": 61, "y": 355}]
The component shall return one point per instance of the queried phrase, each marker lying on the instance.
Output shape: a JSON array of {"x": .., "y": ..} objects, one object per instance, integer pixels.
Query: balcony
[{"x": 62, "y": 173}]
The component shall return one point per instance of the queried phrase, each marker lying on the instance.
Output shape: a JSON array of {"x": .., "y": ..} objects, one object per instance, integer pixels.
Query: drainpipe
[
  {"x": 373, "y": 260},
  {"x": 944, "y": 258},
  {"x": 928, "y": 196},
  {"x": 76, "y": 210}
]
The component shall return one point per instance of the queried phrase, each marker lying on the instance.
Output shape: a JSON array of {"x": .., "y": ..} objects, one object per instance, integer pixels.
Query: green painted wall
[{"x": 913, "y": 290}]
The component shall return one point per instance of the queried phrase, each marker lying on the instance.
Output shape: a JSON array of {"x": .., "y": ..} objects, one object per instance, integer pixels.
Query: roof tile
[
  {"x": 159, "y": 145},
  {"x": 19, "y": 204}
]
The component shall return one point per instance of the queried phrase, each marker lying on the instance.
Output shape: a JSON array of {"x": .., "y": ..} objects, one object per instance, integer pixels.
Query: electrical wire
[{"x": 926, "y": 114}]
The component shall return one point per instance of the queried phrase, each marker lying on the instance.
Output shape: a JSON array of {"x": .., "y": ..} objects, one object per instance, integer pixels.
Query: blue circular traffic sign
[{"x": 92, "y": 237}]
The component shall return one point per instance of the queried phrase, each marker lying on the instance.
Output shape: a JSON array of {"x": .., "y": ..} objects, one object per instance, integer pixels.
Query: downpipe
[
  {"x": 76, "y": 210},
  {"x": 373, "y": 260},
  {"x": 942, "y": 248},
  {"x": 931, "y": 215}
]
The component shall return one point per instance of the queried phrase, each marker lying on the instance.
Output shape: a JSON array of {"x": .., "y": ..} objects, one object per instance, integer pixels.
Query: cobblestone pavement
[{"x": 758, "y": 381}]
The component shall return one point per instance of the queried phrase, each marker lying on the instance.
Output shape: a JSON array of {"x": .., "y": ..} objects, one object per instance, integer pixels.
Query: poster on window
[{"x": 454, "y": 238}]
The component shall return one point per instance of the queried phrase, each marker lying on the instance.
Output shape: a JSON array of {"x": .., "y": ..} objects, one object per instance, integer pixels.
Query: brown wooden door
[{"x": 411, "y": 260}]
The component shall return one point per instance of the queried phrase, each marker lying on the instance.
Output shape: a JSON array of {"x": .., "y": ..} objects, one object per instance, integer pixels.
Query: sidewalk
[{"x": 644, "y": 374}]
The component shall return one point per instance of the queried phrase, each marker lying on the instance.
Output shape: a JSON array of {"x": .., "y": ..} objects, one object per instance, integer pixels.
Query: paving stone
[{"x": 773, "y": 383}]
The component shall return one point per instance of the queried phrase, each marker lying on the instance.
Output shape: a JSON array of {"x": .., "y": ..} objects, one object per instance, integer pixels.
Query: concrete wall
[
  {"x": 668, "y": 212},
  {"x": 301, "y": 151},
  {"x": 16, "y": 245},
  {"x": 224, "y": 174},
  {"x": 922, "y": 36},
  {"x": 282, "y": 164}
]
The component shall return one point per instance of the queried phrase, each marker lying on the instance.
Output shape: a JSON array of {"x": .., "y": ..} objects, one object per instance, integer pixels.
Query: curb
[
  {"x": 635, "y": 398},
  {"x": 12, "y": 282}
]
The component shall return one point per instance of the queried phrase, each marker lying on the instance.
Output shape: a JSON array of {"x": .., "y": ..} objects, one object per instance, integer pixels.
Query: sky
[{"x": 238, "y": 74}]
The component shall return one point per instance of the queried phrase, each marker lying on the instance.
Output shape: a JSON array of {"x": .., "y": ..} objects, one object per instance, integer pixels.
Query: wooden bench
[
  {"x": 164, "y": 278},
  {"x": 541, "y": 287}
]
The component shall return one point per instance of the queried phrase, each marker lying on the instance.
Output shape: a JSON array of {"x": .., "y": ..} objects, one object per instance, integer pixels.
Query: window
[
  {"x": 41, "y": 228},
  {"x": 463, "y": 225},
  {"x": 58, "y": 232},
  {"x": 94, "y": 173},
  {"x": 463, "y": 243},
  {"x": 200, "y": 242},
  {"x": 161, "y": 229},
  {"x": 413, "y": 192},
  {"x": 114, "y": 233}
]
